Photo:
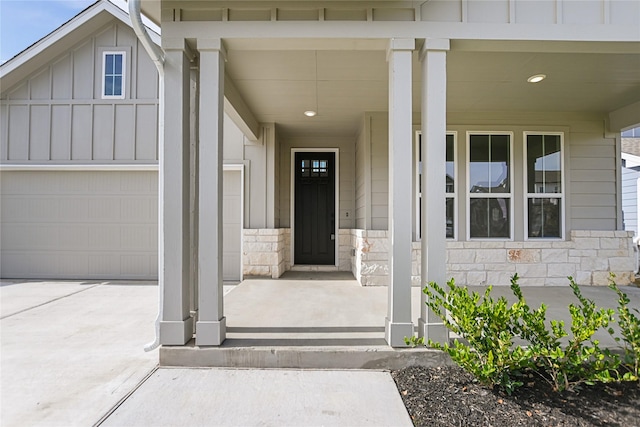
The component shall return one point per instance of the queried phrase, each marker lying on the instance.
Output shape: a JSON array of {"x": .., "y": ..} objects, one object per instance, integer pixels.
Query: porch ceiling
[{"x": 280, "y": 83}]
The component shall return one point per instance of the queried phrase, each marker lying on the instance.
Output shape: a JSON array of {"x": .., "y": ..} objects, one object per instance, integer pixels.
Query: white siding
[
  {"x": 58, "y": 115},
  {"x": 590, "y": 166},
  {"x": 630, "y": 198}
]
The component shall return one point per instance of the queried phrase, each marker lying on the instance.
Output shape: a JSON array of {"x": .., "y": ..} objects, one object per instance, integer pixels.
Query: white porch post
[
  {"x": 398, "y": 322},
  {"x": 211, "y": 324},
  {"x": 176, "y": 326},
  {"x": 433, "y": 218}
]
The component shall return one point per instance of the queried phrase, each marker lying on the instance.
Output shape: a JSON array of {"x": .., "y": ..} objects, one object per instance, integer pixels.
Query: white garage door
[
  {"x": 79, "y": 224},
  {"x": 232, "y": 225}
]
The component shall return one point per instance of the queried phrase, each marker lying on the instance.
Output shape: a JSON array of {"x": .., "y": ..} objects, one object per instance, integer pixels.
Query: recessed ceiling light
[
  {"x": 536, "y": 78},
  {"x": 310, "y": 113}
]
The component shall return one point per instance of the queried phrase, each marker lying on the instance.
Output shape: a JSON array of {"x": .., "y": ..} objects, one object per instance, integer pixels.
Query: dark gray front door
[{"x": 314, "y": 208}]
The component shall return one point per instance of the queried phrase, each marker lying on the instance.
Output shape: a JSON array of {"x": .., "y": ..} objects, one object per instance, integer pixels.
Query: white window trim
[
  {"x": 453, "y": 195},
  {"x": 528, "y": 195},
  {"x": 124, "y": 72},
  {"x": 508, "y": 195}
]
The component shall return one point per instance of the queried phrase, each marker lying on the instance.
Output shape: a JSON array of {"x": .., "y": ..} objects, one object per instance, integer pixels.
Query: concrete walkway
[{"x": 72, "y": 354}]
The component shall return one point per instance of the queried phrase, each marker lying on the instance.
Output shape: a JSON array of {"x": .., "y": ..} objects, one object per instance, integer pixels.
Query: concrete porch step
[{"x": 299, "y": 354}]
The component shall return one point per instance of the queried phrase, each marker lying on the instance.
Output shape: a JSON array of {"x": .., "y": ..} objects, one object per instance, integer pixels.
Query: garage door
[
  {"x": 79, "y": 224},
  {"x": 232, "y": 225}
]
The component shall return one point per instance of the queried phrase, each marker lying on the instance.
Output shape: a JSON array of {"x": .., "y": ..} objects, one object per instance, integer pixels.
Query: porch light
[
  {"x": 536, "y": 78},
  {"x": 310, "y": 113}
]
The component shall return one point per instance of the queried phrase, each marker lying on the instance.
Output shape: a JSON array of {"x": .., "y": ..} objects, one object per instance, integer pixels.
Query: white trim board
[{"x": 79, "y": 167}]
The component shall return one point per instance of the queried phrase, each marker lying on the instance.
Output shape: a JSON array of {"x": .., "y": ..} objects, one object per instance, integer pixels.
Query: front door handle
[{"x": 333, "y": 236}]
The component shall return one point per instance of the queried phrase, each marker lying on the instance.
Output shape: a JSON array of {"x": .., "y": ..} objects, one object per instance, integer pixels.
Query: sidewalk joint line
[{"x": 53, "y": 300}]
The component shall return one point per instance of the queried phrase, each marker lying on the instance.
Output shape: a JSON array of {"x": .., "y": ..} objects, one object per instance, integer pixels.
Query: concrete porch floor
[{"x": 326, "y": 320}]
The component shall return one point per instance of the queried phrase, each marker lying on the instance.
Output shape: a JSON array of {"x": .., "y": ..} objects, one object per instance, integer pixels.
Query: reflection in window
[
  {"x": 489, "y": 186},
  {"x": 544, "y": 185},
  {"x": 449, "y": 182},
  {"x": 314, "y": 168}
]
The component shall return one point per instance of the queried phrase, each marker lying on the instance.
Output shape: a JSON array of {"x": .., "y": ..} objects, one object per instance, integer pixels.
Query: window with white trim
[
  {"x": 544, "y": 185},
  {"x": 450, "y": 191},
  {"x": 489, "y": 185},
  {"x": 113, "y": 75}
]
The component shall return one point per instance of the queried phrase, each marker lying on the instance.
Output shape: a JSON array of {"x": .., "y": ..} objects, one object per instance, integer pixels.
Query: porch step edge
[{"x": 374, "y": 357}]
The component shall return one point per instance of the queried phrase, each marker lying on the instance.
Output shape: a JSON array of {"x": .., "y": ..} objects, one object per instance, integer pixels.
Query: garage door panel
[
  {"x": 57, "y": 225},
  {"x": 105, "y": 237}
]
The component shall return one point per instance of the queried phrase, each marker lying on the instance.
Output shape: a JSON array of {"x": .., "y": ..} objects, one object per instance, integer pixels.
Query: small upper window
[{"x": 113, "y": 75}]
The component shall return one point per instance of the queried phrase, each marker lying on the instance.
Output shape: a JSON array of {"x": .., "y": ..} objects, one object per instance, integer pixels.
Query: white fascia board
[
  {"x": 631, "y": 160},
  {"x": 142, "y": 167},
  {"x": 66, "y": 29}
]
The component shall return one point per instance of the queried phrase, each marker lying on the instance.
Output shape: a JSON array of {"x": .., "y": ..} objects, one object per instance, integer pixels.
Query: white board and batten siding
[{"x": 79, "y": 173}]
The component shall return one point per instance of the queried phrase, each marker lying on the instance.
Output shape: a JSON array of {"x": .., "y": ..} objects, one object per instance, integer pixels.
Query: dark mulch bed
[{"x": 449, "y": 396}]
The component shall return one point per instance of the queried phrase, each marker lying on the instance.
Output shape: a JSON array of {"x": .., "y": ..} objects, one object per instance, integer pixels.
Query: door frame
[
  {"x": 239, "y": 167},
  {"x": 292, "y": 189}
]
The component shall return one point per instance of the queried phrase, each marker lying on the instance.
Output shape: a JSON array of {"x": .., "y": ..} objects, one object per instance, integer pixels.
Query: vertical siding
[
  {"x": 57, "y": 114},
  {"x": 615, "y": 12},
  {"x": 630, "y": 198}
]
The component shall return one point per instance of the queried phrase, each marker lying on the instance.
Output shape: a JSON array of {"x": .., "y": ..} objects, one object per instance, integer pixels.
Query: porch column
[
  {"x": 176, "y": 326},
  {"x": 398, "y": 322},
  {"x": 433, "y": 218},
  {"x": 211, "y": 324}
]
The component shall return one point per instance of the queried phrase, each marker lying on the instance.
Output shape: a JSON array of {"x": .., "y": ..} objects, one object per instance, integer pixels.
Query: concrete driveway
[{"x": 71, "y": 350}]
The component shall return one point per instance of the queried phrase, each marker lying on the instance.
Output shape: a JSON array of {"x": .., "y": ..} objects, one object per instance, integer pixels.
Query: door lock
[{"x": 333, "y": 236}]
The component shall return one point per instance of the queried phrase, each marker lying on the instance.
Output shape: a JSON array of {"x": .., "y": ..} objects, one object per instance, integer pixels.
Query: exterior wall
[
  {"x": 630, "y": 198},
  {"x": 347, "y": 176},
  {"x": 266, "y": 252},
  {"x": 590, "y": 167},
  {"x": 531, "y": 12},
  {"x": 588, "y": 257},
  {"x": 260, "y": 185},
  {"x": 362, "y": 174},
  {"x": 57, "y": 114}
]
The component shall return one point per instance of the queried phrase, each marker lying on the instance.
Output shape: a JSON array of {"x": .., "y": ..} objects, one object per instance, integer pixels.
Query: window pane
[
  {"x": 489, "y": 217},
  {"x": 450, "y": 166},
  {"x": 450, "y": 223},
  {"x": 108, "y": 85},
  {"x": 108, "y": 66},
  {"x": 117, "y": 64},
  {"x": 489, "y": 164},
  {"x": 478, "y": 163},
  {"x": 117, "y": 85},
  {"x": 544, "y": 217},
  {"x": 500, "y": 164},
  {"x": 544, "y": 164}
]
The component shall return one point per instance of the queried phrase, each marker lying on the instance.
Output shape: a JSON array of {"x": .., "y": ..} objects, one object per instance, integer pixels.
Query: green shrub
[
  {"x": 630, "y": 331},
  {"x": 485, "y": 326},
  {"x": 566, "y": 360},
  {"x": 501, "y": 343}
]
